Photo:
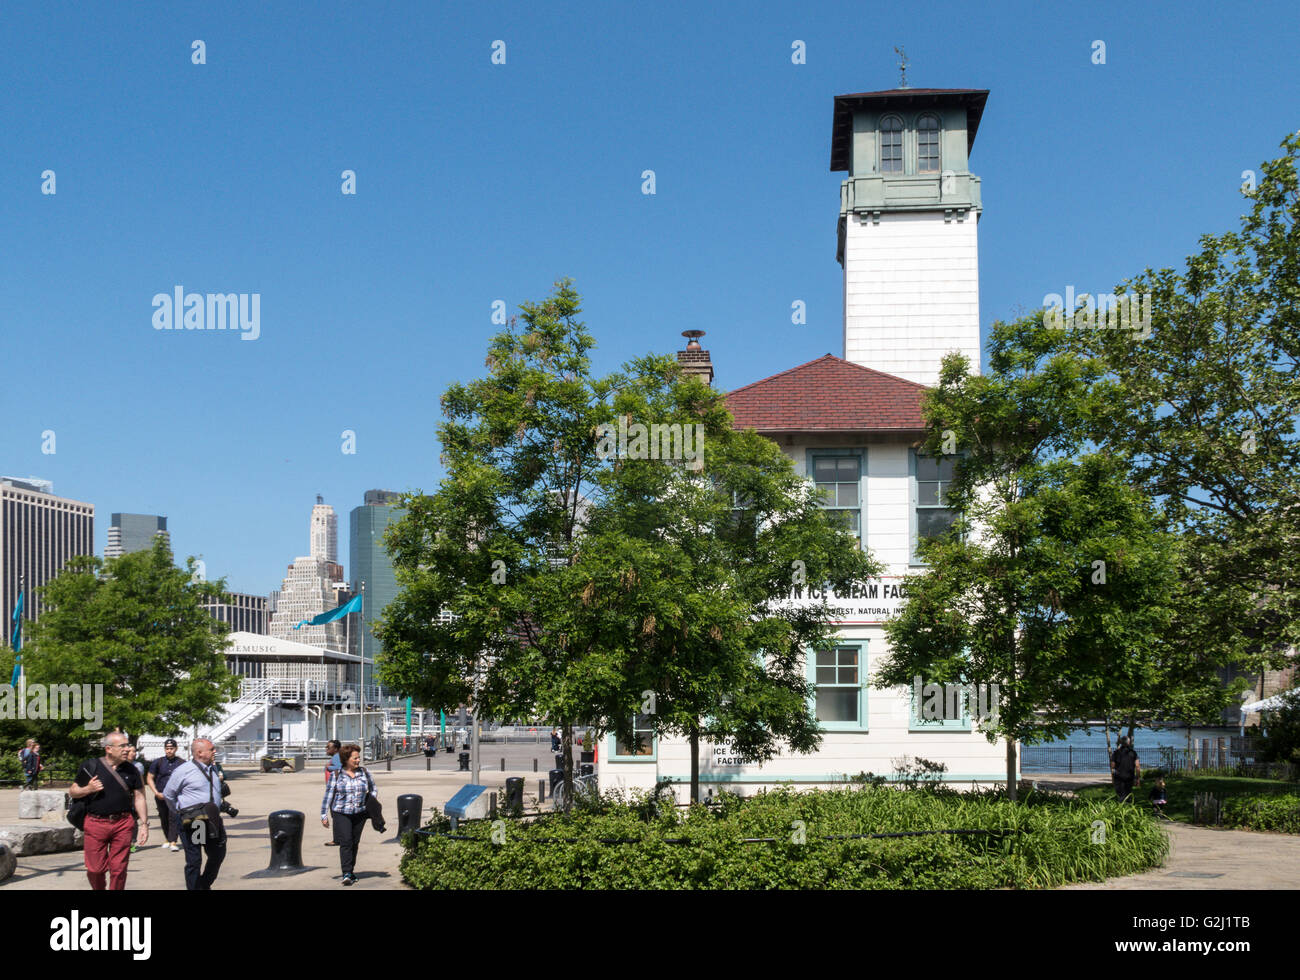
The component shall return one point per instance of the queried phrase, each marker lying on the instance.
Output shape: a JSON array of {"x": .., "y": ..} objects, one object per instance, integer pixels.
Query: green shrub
[
  {"x": 1279, "y": 811},
  {"x": 797, "y": 840}
]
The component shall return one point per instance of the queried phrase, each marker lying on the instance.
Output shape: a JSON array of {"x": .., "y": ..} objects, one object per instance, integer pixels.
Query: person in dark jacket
[
  {"x": 32, "y": 765},
  {"x": 1125, "y": 768}
]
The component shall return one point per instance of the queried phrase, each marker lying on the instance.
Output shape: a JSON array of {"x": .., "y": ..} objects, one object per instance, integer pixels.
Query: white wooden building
[{"x": 908, "y": 246}]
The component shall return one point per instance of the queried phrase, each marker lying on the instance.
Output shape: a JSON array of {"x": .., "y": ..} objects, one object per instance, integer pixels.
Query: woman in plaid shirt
[{"x": 345, "y": 798}]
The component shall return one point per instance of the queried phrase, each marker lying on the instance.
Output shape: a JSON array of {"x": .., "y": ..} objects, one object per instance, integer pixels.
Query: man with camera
[{"x": 193, "y": 794}]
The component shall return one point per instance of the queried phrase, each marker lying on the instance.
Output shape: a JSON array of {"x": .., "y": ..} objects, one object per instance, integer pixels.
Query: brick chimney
[{"x": 695, "y": 360}]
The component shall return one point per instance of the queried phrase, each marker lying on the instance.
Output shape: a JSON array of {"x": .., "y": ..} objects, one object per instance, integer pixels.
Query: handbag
[{"x": 208, "y": 814}]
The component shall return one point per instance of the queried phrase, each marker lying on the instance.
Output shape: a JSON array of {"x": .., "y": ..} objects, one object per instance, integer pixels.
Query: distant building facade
[
  {"x": 134, "y": 532},
  {"x": 39, "y": 533},
  {"x": 314, "y": 584},
  {"x": 244, "y": 613},
  {"x": 370, "y": 564}
]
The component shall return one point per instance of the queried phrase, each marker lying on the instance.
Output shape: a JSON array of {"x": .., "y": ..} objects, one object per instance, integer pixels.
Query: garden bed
[{"x": 796, "y": 840}]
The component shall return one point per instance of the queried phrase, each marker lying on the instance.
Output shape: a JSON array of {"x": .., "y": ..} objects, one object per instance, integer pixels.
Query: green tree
[
  {"x": 1204, "y": 402},
  {"x": 484, "y": 615},
  {"x": 550, "y": 576},
  {"x": 1055, "y": 581},
  {"x": 715, "y": 650},
  {"x": 134, "y": 624}
]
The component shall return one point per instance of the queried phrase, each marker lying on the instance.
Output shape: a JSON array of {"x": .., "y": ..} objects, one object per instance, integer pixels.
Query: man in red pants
[{"x": 113, "y": 791}]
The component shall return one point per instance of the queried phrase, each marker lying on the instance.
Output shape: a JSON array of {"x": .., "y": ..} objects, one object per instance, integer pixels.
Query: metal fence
[{"x": 1236, "y": 754}]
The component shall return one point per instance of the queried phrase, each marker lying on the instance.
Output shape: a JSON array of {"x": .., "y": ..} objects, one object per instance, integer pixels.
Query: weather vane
[{"x": 902, "y": 67}]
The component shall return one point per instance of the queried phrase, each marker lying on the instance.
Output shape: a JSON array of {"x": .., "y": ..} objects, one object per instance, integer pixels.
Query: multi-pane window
[
  {"x": 927, "y": 145},
  {"x": 891, "y": 145},
  {"x": 838, "y": 480},
  {"x": 933, "y": 476},
  {"x": 642, "y": 739},
  {"x": 838, "y": 683}
]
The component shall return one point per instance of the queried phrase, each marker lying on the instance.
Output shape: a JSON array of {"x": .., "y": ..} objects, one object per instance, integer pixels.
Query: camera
[{"x": 229, "y": 810}]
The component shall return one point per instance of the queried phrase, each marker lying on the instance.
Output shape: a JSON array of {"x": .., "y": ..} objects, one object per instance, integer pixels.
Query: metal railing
[{"x": 1235, "y": 753}]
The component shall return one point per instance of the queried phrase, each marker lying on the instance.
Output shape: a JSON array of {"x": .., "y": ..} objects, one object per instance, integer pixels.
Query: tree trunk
[
  {"x": 695, "y": 764},
  {"x": 1011, "y": 769},
  {"x": 567, "y": 742}
]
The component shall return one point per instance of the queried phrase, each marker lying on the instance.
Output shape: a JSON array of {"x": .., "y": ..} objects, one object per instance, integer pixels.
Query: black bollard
[
  {"x": 428, "y": 764},
  {"x": 492, "y": 806},
  {"x": 285, "y": 827},
  {"x": 464, "y": 761},
  {"x": 586, "y": 769},
  {"x": 557, "y": 777},
  {"x": 559, "y": 761},
  {"x": 409, "y": 808},
  {"x": 503, "y": 764},
  {"x": 534, "y": 765},
  {"x": 541, "y": 791},
  {"x": 515, "y": 796}
]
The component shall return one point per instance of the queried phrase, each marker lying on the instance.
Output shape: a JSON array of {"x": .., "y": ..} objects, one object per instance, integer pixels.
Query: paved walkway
[
  {"x": 1201, "y": 857},
  {"x": 258, "y": 794}
]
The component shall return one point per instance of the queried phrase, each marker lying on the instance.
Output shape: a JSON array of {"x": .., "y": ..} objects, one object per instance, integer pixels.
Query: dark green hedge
[{"x": 1040, "y": 842}]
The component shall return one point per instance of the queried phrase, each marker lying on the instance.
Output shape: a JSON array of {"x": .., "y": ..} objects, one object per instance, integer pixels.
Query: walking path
[
  {"x": 258, "y": 794},
  {"x": 1200, "y": 857}
]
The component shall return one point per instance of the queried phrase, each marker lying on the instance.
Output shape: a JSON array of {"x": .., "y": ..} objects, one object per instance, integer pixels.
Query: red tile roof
[{"x": 829, "y": 393}]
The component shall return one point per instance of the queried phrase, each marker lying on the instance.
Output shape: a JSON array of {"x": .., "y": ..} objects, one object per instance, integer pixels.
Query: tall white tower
[
  {"x": 324, "y": 531},
  {"x": 909, "y": 211}
]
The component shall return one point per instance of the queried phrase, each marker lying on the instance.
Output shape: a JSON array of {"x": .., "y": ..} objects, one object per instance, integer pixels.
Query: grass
[{"x": 1182, "y": 787}]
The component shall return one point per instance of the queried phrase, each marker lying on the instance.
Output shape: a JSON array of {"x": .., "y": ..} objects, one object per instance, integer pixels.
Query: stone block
[
  {"x": 38, "y": 838},
  {"x": 8, "y": 861},
  {"x": 42, "y": 804}
]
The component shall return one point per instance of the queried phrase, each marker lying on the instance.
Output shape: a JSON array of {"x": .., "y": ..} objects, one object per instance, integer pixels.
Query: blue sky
[{"x": 478, "y": 182}]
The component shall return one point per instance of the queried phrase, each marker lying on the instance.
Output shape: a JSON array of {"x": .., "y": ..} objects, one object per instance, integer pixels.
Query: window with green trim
[
  {"x": 837, "y": 681},
  {"x": 931, "y": 515},
  {"x": 917, "y": 722},
  {"x": 839, "y": 483},
  {"x": 642, "y": 740}
]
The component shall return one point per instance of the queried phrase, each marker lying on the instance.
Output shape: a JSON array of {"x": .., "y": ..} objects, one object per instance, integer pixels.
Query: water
[
  {"x": 1088, "y": 747},
  {"x": 1144, "y": 739}
]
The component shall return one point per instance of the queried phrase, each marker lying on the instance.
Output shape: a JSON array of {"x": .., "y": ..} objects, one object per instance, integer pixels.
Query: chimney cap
[{"x": 692, "y": 338}]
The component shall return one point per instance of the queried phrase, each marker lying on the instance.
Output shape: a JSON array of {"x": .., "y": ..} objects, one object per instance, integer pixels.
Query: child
[{"x": 1158, "y": 797}]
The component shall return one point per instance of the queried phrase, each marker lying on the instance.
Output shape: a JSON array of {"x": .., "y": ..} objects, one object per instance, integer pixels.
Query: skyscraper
[
  {"x": 313, "y": 585},
  {"x": 39, "y": 533},
  {"x": 370, "y": 563},
  {"x": 324, "y": 532},
  {"x": 134, "y": 532}
]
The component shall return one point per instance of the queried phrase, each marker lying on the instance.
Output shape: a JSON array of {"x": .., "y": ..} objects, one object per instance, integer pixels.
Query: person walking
[
  {"x": 32, "y": 764},
  {"x": 345, "y": 800},
  {"x": 114, "y": 794},
  {"x": 131, "y": 756},
  {"x": 194, "y": 795},
  {"x": 1125, "y": 768},
  {"x": 160, "y": 771}
]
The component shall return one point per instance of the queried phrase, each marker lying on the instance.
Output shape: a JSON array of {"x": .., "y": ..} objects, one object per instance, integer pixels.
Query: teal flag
[
  {"x": 16, "y": 639},
  {"x": 353, "y": 605}
]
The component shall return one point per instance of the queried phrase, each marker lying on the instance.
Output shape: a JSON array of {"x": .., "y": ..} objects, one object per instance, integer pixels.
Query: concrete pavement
[{"x": 256, "y": 795}]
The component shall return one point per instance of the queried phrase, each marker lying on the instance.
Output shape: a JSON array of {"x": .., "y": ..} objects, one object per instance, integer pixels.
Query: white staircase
[{"x": 252, "y": 702}]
